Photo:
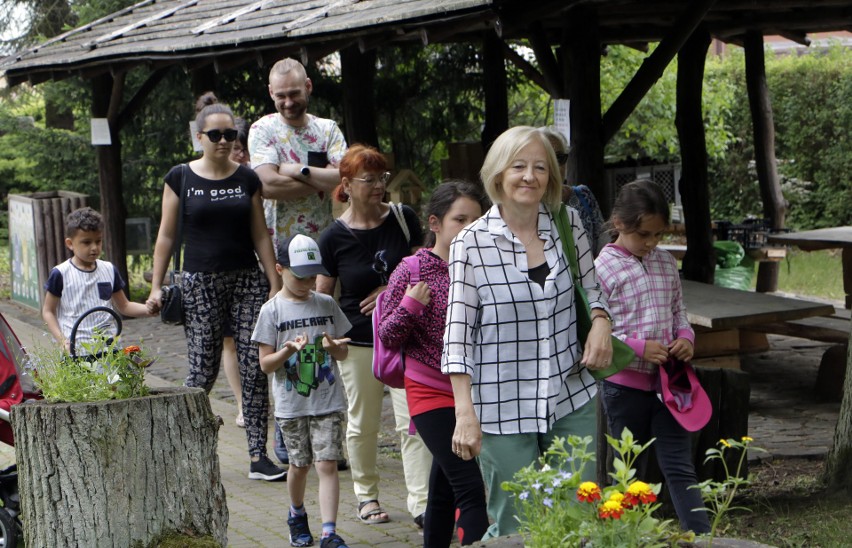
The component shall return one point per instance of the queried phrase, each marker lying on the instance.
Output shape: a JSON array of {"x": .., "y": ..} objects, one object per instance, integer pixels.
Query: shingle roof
[
  {"x": 231, "y": 32},
  {"x": 179, "y": 30}
]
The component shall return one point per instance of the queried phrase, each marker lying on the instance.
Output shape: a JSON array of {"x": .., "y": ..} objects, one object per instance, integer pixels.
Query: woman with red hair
[{"x": 361, "y": 249}]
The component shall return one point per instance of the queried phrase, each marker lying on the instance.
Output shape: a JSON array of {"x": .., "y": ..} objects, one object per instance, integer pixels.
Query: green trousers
[{"x": 503, "y": 455}]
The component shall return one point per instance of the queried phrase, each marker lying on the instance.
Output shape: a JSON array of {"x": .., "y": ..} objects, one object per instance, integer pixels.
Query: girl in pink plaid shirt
[{"x": 642, "y": 286}]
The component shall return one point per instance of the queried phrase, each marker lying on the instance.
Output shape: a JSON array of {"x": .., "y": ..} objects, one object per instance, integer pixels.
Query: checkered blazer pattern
[{"x": 517, "y": 340}]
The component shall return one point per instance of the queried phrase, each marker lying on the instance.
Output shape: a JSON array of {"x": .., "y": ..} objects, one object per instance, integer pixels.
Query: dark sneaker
[
  {"x": 420, "y": 520},
  {"x": 333, "y": 541},
  {"x": 279, "y": 448},
  {"x": 300, "y": 534},
  {"x": 342, "y": 465},
  {"x": 263, "y": 469}
]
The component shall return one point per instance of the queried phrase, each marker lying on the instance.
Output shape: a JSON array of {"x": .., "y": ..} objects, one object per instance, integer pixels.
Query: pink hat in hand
[{"x": 683, "y": 395}]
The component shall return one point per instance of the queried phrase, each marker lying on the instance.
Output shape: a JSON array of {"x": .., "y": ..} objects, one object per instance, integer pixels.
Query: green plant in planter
[
  {"x": 719, "y": 495},
  {"x": 104, "y": 371},
  {"x": 556, "y": 508}
]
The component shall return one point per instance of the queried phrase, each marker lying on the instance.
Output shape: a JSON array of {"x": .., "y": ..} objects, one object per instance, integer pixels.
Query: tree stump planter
[{"x": 120, "y": 472}]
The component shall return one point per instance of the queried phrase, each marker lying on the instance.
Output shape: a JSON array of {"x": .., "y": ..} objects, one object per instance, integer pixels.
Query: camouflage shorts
[{"x": 312, "y": 439}]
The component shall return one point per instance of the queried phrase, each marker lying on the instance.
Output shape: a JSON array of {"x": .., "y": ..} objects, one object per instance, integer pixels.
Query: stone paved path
[{"x": 785, "y": 418}]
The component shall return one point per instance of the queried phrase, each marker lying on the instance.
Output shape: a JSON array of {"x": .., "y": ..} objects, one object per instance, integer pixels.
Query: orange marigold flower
[
  {"x": 132, "y": 349},
  {"x": 611, "y": 509},
  {"x": 637, "y": 492},
  {"x": 588, "y": 492}
]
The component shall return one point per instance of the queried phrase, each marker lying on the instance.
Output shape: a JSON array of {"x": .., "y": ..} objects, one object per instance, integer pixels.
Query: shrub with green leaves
[{"x": 105, "y": 371}]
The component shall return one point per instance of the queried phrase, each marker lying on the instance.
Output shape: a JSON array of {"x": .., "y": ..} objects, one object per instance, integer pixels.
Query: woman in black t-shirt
[
  {"x": 223, "y": 227},
  {"x": 361, "y": 249}
]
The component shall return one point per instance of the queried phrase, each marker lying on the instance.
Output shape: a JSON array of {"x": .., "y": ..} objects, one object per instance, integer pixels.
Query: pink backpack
[{"x": 389, "y": 364}]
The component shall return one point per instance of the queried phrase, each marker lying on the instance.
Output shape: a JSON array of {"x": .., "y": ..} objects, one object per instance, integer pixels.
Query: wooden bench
[{"x": 727, "y": 321}]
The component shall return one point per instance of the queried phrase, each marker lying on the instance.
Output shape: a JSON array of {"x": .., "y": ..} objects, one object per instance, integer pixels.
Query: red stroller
[{"x": 15, "y": 386}]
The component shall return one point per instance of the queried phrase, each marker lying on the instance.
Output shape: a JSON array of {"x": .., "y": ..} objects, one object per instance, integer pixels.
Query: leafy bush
[{"x": 811, "y": 99}]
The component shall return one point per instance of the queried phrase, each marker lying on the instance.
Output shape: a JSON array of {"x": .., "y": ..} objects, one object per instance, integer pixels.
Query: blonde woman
[{"x": 519, "y": 375}]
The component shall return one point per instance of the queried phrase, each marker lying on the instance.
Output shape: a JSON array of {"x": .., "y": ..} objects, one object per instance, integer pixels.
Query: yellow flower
[
  {"x": 588, "y": 492},
  {"x": 747, "y": 439},
  {"x": 611, "y": 509},
  {"x": 725, "y": 443},
  {"x": 639, "y": 491}
]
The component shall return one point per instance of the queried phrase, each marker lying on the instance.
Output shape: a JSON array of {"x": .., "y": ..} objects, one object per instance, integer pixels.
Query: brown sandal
[{"x": 370, "y": 515}]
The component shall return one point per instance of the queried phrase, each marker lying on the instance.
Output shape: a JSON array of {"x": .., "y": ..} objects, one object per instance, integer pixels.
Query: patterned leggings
[{"x": 210, "y": 300}]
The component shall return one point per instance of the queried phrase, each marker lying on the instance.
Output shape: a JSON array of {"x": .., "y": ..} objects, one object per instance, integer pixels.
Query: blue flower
[
  {"x": 565, "y": 474},
  {"x": 548, "y": 502},
  {"x": 536, "y": 485},
  {"x": 556, "y": 482},
  {"x": 524, "y": 495},
  {"x": 548, "y": 490}
]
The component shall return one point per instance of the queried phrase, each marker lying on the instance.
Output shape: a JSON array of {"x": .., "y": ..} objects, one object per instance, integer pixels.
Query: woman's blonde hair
[{"x": 504, "y": 150}]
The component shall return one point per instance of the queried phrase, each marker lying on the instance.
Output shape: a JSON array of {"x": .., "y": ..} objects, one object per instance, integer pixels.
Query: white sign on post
[
  {"x": 100, "y": 132},
  {"x": 562, "y": 117},
  {"x": 193, "y": 134}
]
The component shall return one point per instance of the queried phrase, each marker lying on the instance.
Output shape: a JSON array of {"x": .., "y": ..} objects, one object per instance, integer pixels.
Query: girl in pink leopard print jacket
[{"x": 414, "y": 318}]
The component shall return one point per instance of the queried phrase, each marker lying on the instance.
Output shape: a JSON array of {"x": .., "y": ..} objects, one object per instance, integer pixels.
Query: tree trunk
[
  {"x": 119, "y": 472},
  {"x": 838, "y": 465}
]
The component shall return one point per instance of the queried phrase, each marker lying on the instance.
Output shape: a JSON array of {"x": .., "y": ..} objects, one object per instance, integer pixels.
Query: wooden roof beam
[
  {"x": 525, "y": 66},
  {"x": 547, "y": 61},
  {"x": 797, "y": 37},
  {"x": 139, "y": 97},
  {"x": 653, "y": 66}
]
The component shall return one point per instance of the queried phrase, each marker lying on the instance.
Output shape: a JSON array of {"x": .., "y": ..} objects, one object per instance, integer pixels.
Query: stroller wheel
[{"x": 8, "y": 530}]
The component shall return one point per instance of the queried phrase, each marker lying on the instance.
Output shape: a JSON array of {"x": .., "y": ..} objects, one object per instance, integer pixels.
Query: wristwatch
[{"x": 305, "y": 171}]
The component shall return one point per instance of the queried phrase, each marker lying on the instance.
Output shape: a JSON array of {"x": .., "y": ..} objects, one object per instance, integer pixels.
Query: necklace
[{"x": 528, "y": 242}]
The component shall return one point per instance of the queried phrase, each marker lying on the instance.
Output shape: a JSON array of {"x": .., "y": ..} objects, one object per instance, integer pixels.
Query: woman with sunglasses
[
  {"x": 221, "y": 225},
  {"x": 579, "y": 197},
  {"x": 361, "y": 249}
]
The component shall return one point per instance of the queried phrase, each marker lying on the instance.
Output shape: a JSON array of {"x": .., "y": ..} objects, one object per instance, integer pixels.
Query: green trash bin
[{"x": 734, "y": 269}]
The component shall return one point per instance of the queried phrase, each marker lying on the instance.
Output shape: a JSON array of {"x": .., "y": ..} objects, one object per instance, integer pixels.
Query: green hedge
[{"x": 811, "y": 99}]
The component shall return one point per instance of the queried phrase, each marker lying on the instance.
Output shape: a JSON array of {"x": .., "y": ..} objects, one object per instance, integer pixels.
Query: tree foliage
[
  {"x": 811, "y": 99},
  {"x": 649, "y": 133}
]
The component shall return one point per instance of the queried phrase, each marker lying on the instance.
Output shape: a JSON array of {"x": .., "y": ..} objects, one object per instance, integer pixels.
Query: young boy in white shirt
[
  {"x": 296, "y": 333},
  {"x": 83, "y": 282}
]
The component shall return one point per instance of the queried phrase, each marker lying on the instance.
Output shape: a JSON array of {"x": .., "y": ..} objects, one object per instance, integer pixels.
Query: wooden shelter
[{"x": 207, "y": 37}]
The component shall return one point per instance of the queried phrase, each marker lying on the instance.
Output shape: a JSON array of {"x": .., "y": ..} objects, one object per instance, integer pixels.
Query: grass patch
[
  {"x": 814, "y": 274},
  {"x": 790, "y": 507},
  {"x": 5, "y": 272}
]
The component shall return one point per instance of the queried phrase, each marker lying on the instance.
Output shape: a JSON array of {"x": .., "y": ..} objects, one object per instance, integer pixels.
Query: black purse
[{"x": 171, "y": 308}]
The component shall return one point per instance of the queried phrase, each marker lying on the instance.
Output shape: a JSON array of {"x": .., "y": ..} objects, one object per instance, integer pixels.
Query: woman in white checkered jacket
[{"x": 519, "y": 376}]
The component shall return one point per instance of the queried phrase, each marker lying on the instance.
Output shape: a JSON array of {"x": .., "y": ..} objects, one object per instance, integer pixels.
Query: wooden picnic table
[
  {"x": 824, "y": 238},
  {"x": 723, "y": 319}
]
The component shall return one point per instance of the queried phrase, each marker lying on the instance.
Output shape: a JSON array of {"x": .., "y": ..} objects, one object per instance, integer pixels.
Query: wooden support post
[
  {"x": 359, "y": 72},
  {"x": 699, "y": 262},
  {"x": 585, "y": 165},
  {"x": 106, "y": 99},
  {"x": 203, "y": 79},
  {"x": 774, "y": 204},
  {"x": 496, "y": 96}
]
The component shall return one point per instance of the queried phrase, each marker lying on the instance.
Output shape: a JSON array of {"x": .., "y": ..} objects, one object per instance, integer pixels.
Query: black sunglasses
[{"x": 215, "y": 135}]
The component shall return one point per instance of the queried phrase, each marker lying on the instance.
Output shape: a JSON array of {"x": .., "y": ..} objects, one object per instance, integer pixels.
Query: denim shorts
[{"x": 313, "y": 439}]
